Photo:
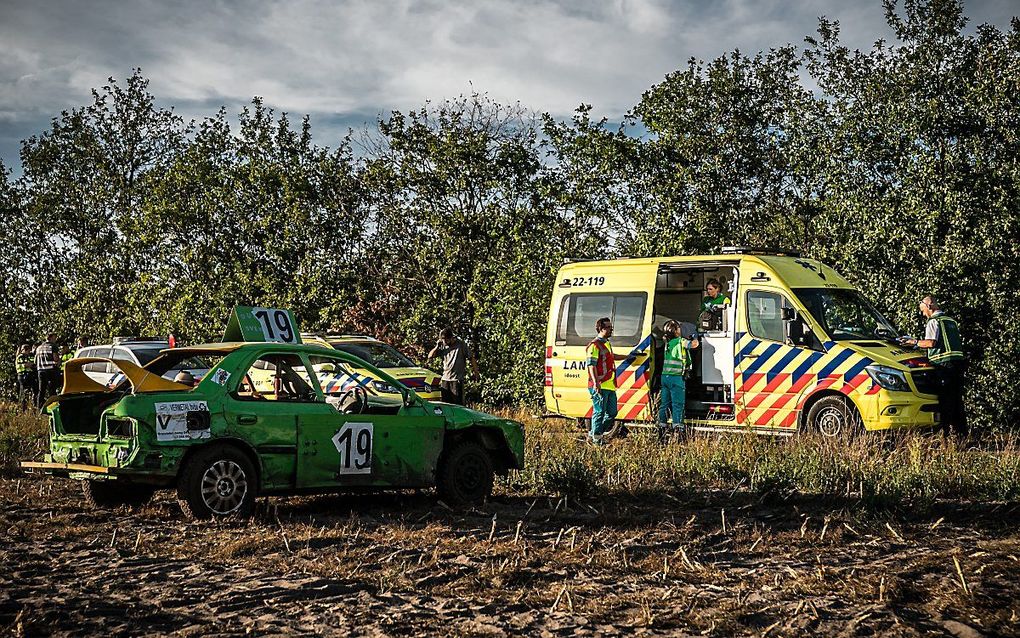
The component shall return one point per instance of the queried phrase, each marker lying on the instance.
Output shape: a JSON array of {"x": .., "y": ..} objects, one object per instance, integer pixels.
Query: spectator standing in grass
[
  {"x": 602, "y": 381},
  {"x": 46, "y": 365},
  {"x": 455, "y": 354},
  {"x": 24, "y": 365}
]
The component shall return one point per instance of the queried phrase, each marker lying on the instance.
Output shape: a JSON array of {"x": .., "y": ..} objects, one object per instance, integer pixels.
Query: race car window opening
[
  {"x": 764, "y": 315},
  {"x": 339, "y": 383},
  {"x": 287, "y": 380},
  {"x": 843, "y": 313},
  {"x": 145, "y": 355},
  {"x": 579, "y": 312},
  {"x": 381, "y": 355}
]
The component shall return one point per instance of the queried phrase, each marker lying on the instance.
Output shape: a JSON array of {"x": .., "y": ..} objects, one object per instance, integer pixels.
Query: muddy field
[{"x": 714, "y": 563}]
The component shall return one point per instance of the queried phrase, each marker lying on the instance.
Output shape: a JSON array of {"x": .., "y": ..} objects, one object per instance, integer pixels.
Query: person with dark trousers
[
  {"x": 945, "y": 351},
  {"x": 47, "y": 368},
  {"x": 24, "y": 365},
  {"x": 455, "y": 354}
]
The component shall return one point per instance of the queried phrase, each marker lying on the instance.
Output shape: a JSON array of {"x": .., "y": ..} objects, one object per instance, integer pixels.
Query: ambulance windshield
[{"x": 845, "y": 314}]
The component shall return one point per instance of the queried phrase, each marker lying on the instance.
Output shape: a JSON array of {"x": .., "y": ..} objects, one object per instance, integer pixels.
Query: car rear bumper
[{"x": 84, "y": 470}]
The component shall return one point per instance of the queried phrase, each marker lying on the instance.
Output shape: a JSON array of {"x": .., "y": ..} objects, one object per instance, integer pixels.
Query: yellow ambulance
[{"x": 797, "y": 348}]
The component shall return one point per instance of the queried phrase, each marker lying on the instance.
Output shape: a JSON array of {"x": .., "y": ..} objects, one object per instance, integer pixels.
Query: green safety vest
[
  {"x": 24, "y": 363},
  {"x": 64, "y": 358},
  {"x": 948, "y": 347},
  {"x": 676, "y": 358},
  {"x": 707, "y": 303}
]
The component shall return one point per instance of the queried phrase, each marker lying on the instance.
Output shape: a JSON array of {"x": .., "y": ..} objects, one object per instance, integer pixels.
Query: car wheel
[
  {"x": 110, "y": 494},
  {"x": 465, "y": 475},
  {"x": 217, "y": 482},
  {"x": 834, "y": 417}
]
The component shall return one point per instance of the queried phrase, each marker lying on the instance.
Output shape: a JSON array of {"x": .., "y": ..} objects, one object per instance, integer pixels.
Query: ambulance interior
[{"x": 679, "y": 290}]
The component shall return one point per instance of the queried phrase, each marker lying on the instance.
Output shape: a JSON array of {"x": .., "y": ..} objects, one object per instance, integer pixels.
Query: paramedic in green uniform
[
  {"x": 715, "y": 296},
  {"x": 945, "y": 351},
  {"x": 676, "y": 361}
]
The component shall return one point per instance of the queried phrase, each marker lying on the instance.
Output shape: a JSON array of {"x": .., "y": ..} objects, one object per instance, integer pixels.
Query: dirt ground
[{"x": 715, "y": 564}]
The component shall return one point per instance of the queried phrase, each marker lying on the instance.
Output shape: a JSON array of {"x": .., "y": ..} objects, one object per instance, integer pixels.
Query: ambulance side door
[{"x": 770, "y": 370}]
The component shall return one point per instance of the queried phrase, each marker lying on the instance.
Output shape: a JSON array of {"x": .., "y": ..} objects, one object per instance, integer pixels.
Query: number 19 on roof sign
[{"x": 262, "y": 324}]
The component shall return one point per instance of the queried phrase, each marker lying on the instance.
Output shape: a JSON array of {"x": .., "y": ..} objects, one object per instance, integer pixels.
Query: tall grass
[
  {"x": 911, "y": 470},
  {"x": 22, "y": 436},
  {"x": 878, "y": 471}
]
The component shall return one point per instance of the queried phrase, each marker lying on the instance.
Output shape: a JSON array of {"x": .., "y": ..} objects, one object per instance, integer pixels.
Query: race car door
[{"x": 364, "y": 443}]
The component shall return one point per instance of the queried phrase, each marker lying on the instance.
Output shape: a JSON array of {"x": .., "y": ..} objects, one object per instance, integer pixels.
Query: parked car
[
  {"x": 227, "y": 440},
  {"x": 383, "y": 355},
  {"x": 138, "y": 350}
]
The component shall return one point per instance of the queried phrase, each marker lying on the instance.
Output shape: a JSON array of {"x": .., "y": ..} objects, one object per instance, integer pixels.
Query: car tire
[
  {"x": 465, "y": 475},
  {"x": 834, "y": 417},
  {"x": 110, "y": 494},
  {"x": 217, "y": 482}
]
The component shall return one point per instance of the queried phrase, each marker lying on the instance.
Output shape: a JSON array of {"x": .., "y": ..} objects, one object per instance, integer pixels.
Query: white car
[{"x": 139, "y": 351}]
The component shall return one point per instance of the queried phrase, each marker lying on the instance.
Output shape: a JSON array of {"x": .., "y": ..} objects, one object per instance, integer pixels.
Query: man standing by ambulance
[
  {"x": 945, "y": 351},
  {"x": 602, "y": 380}
]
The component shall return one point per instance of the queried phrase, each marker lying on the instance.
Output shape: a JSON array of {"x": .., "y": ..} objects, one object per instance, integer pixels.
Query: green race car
[{"x": 310, "y": 428}]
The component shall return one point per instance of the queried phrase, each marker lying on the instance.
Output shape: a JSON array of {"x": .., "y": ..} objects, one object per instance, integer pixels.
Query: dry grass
[{"x": 22, "y": 436}]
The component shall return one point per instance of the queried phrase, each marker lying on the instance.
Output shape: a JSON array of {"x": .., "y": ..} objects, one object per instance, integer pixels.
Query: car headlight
[
  {"x": 382, "y": 386},
  {"x": 888, "y": 378}
]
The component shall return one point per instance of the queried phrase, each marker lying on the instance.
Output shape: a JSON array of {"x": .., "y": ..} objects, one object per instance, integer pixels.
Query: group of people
[
  {"x": 942, "y": 345},
  {"x": 40, "y": 368}
]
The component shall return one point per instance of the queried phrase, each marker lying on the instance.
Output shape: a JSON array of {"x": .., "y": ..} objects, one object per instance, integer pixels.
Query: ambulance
[{"x": 796, "y": 349}]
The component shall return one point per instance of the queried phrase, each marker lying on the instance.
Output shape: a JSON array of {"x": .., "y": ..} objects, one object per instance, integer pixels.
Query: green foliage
[{"x": 896, "y": 164}]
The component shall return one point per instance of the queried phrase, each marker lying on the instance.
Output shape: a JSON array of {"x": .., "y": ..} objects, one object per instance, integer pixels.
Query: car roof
[{"x": 226, "y": 347}]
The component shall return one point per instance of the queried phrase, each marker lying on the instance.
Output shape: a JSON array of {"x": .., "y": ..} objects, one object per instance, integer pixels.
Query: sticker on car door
[
  {"x": 354, "y": 443},
  {"x": 182, "y": 421}
]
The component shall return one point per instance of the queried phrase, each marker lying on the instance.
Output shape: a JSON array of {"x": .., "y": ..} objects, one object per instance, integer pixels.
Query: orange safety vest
[{"x": 605, "y": 364}]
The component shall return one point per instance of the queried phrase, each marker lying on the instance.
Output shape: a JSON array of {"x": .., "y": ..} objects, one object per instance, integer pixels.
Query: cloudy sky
[{"x": 345, "y": 61}]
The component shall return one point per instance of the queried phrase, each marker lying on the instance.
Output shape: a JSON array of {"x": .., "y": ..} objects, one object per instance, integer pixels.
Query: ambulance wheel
[
  {"x": 109, "y": 494},
  {"x": 465, "y": 475},
  {"x": 834, "y": 417},
  {"x": 217, "y": 482}
]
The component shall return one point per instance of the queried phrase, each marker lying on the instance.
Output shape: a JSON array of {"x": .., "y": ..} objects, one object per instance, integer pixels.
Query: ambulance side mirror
[{"x": 788, "y": 314}]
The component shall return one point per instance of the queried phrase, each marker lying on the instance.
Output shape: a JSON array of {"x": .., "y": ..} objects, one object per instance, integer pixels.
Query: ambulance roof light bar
[{"x": 756, "y": 250}]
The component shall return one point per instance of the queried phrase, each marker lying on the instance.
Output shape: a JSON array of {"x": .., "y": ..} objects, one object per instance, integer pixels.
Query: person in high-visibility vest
[
  {"x": 676, "y": 362},
  {"x": 945, "y": 350},
  {"x": 714, "y": 297},
  {"x": 602, "y": 380},
  {"x": 24, "y": 365}
]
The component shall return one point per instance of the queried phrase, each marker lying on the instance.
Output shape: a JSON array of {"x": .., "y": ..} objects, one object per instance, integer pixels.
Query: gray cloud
[{"x": 343, "y": 62}]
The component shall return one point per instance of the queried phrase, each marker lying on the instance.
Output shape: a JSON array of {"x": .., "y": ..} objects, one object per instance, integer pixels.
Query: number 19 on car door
[{"x": 354, "y": 444}]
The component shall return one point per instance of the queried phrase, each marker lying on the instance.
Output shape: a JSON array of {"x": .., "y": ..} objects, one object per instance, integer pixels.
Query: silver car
[{"x": 139, "y": 351}]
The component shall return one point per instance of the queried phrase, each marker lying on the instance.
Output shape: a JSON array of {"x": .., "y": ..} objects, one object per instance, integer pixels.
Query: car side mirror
[
  {"x": 410, "y": 399},
  {"x": 788, "y": 314}
]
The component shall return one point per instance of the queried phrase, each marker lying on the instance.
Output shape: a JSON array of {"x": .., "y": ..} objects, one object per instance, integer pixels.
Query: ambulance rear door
[{"x": 622, "y": 291}]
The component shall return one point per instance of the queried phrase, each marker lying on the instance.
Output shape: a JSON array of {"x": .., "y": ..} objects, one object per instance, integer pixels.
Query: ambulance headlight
[
  {"x": 382, "y": 386},
  {"x": 888, "y": 378}
]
